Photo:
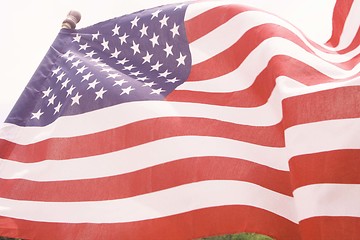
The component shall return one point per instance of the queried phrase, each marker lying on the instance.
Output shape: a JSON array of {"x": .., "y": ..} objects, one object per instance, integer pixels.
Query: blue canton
[{"x": 137, "y": 57}]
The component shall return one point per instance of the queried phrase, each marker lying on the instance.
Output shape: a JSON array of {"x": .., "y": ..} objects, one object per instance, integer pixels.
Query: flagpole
[{"x": 71, "y": 20}]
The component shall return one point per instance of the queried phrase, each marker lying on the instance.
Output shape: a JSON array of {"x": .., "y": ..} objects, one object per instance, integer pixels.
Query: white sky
[{"x": 28, "y": 28}]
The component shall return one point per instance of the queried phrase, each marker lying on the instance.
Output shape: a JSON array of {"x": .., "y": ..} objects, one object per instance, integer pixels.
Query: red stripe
[
  {"x": 330, "y": 228},
  {"x": 148, "y": 180},
  {"x": 354, "y": 44},
  {"x": 190, "y": 225},
  {"x": 320, "y": 167},
  {"x": 136, "y": 134},
  {"x": 340, "y": 166},
  {"x": 341, "y": 12},
  {"x": 208, "y": 21},
  {"x": 204, "y": 23},
  {"x": 337, "y": 103},
  {"x": 259, "y": 92},
  {"x": 296, "y": 110},
  {"x": 324, "y": 105},
  {"x": 232, "y": 57}
]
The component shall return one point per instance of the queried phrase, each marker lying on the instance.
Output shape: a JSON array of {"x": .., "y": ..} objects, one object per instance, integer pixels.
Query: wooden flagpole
[{"x": 71, "y": 20}]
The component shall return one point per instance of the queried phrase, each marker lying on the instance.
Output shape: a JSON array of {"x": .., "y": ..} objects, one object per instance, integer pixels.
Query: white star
[
  {"x": 135, "y": 48},
  {"x": 127, "y": 90},
  {"x": 163, "y": 21},
  {"x": 149, "y": 84},
  {"x": 164, "y": 74},
  {"x": 134, "y": 22},
  {"x": 71, "y": 58},
  {"x": 51, "y": 100},
  {"x": 179, "y": 6},
  {"x": 83, "y": 47},
  {"x": 90, "y": 54},
  {"x": 135, "y": 73},
  {"x": 100, "y": 93},
  {"x": 115, "y": 54},
  {"x": 87, "y": 77},
  {"x": 115, "y": 30},
  {"x": 95, "y": 36},
  {"x": 181, "y": 60},
  {"x": 64, "y": 84},
  {"x": 129, "y": 68},
  {"x": 105, "y": 45},
  {"x": 93, "y": 84},
  {"x": 157, "y": 91},
  {"x": 102, "y": 65},
  {"x": 143, "y": 30},
  {"x": 37, "y": 115},
  {"x": 123, "y": 38},
  {"x": 55, "y": 71},
  {"x": 156, "y": 66},
  {"x": 70, "y": 90},
  {"x": 81, "y": 70},
  {"x": 96, "y": 60},
  {"x": 168, "y": 50},
  {"x": 106, "y": 70},
  {"x": 77, "y": 38},
  {"x": 76, "y": 64},
  {"x": 142, "y": 78},
  {"x": 47, "y": 92},
  {"x": 60, "y": 77},
  {"x": 154, "y": 40},
  {"x": 147, "y": 58},
  {"x": 57, "y": 108},
  {"x": 113, "y": 75},
  {"x": 173, "y": 80},
  {"x": 76, "y": 99},
  {"x": 155, "y": 14},
  {"x": 175, "y": 30},
  {"x": 122, "y": 61},
  {"x": 120, "y": 82},
  {"x": 67, "y": 54}
]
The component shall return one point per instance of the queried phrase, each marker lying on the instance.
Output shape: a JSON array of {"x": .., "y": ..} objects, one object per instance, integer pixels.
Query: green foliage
[{"x": 241, "y": 236}]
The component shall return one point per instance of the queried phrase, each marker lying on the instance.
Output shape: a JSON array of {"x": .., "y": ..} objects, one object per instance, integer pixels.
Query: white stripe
[
  {"x": 164, "y": 203},
  {"x": 209, "y": 45},
  {"x": 323, "y": 136},
  {"x": 352, "y": 25},
  {"x": 300, "y": 139},
  {"x": 112, "y": 117},
  {"x": 244, "y": 76},
  {"x": 327, "y": 200},
  {"x": 266, "y": 115},
  {"x": 195, "y": 9},
  {"x": 324, "y": 8},
  {"x": 143, "y": 156}
]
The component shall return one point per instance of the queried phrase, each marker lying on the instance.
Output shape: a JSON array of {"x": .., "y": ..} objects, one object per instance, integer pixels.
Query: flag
[{"x": 184, "y": 121}]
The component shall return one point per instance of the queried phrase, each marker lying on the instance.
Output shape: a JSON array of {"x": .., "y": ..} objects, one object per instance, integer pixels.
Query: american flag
[{"x": 185, "y": 121}]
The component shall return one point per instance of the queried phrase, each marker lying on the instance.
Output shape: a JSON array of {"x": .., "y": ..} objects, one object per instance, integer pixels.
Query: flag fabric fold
[{"x": 185, "y": 121}]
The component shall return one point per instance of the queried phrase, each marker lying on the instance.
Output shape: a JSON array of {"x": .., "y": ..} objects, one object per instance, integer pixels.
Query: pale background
[{"x": 27, "y": 29}]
